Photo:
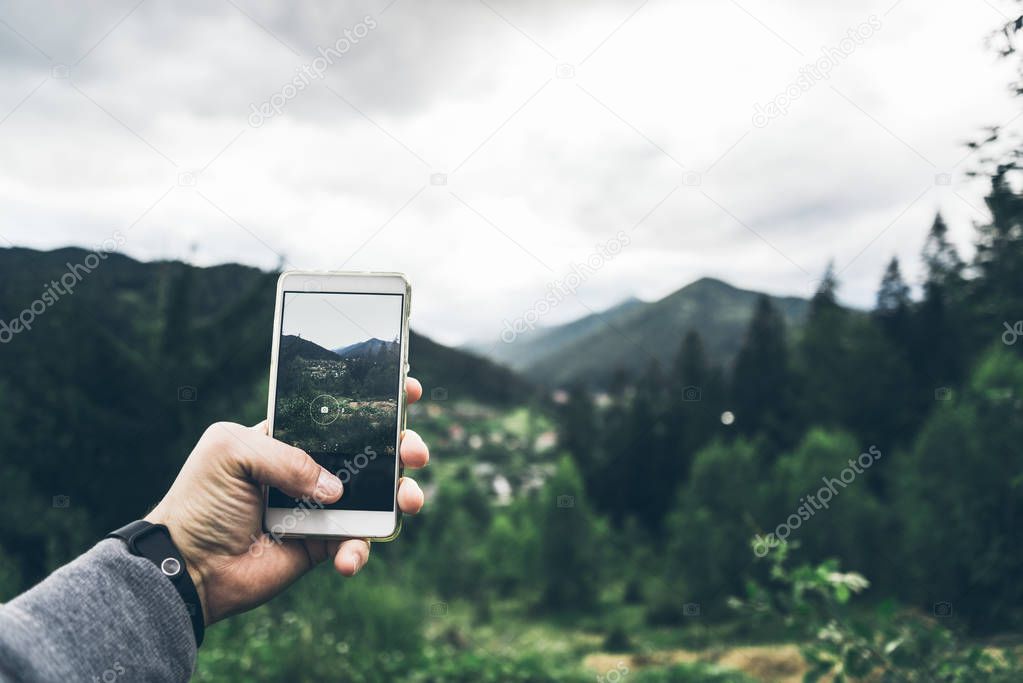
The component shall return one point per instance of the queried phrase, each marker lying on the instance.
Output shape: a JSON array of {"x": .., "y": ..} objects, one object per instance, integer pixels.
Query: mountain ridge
[
  {"x": 369, "y": 347},
  {"x": 632, "y": 334},
  {"x": 224, "y": 312}
]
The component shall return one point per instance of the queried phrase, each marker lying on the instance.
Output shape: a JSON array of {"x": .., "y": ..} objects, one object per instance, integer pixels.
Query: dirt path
[{"x": 768, "y": 663}]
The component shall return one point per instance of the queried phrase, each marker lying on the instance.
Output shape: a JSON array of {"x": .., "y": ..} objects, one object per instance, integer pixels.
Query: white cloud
[{"x": 540, "y": 168}]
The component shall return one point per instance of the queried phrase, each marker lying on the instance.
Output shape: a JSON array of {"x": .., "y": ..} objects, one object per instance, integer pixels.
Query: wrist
[{"x": 191, "y": 566}]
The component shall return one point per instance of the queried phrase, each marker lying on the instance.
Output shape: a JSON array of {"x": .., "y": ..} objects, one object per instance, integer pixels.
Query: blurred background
[{"x": 718, "y": 307}]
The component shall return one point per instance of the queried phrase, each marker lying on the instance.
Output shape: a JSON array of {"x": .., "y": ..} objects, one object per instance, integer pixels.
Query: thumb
[{"x": 274, "y": 463}]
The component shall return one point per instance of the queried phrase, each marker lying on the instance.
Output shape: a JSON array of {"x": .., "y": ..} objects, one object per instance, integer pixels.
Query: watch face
[{"x": 170, "y": 567}]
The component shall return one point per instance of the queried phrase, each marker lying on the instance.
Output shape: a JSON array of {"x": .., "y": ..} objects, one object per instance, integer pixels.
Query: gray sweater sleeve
[{"x": 107, "y": 616}]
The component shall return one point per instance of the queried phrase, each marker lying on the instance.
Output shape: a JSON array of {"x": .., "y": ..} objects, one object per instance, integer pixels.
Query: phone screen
[{"x": 338, "y": 374}]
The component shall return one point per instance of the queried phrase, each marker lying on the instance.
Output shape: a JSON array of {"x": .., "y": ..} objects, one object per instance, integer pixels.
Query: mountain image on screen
[
  {"x": 361, "y": 380},
  {"x": 368, "y": 349}
]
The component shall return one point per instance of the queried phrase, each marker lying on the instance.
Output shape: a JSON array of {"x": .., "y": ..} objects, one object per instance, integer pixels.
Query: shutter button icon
[{"x": 324, "y": 409}]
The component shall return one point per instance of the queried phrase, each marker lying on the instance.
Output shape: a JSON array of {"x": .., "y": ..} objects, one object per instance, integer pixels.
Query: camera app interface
[{"x": 337, "y": 390}]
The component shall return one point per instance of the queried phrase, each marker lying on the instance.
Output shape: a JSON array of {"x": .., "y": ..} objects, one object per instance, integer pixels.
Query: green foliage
[
  {"x": 361, "y": 630},
  {"x": 445, "y": 665},
  {"x": 448, "y": 548},
  {"x": 886, "y": 645},
  {"x": 618, "y": 640},
  {"x": 697, "y": 395},
  {"x": 762, "y": 391},
  {"x": 825, "y": 498},
  {"x": 510, "y": 552},
  {"x": 999, "y": 260},
  {"x": 569, "y": 538},
  {"x": 960, "y": 498},
  {"x": 706, "y": 531}
]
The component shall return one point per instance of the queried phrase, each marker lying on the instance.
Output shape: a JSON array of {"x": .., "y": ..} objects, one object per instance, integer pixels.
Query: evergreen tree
[
  {"x": 577, "y": 434},
  {"x": 508, "y": 548},
  {"x": 569, "y": 538},
  {"x": 711, "y": 522},
  {"x": 943, "y": 266},
  {"x": 826, "y": 296},
  {"x": 894, "y": 305},
  {"x": 825, "y": 481},
  {"x": 939, "y": 345},
  {"x": 885, "y": 415},
  {"x": 614, "y": 453},
  {"x": 824, "y": 357},
  {"x": 959, "y": 499},
  {"x": 998, "y": 263},
  {"x": 650, "y": 473},
  {"x": 461, "y": 510},
  {"x": 762, "y": 381},
  {"x": 695, "y": 402}
]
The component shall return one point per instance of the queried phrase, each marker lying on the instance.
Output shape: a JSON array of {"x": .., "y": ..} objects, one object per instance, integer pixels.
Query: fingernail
[
  {"x": 328, "y": 486},
  {"x": 356, "y": 563}
]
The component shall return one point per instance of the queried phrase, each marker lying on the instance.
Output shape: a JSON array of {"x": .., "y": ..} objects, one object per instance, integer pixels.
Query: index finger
[{"x": 268, "y": 461}]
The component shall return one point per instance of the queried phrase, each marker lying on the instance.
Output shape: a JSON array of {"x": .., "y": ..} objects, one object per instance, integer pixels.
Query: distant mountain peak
[
  {"x": 371, "y": 346},
  {"x": 629, "y": 334},
  {"x": 707, "y": 281}
]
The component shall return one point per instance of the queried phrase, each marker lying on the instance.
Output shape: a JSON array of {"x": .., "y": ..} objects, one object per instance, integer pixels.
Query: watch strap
[{"x": 154, "y": 543}]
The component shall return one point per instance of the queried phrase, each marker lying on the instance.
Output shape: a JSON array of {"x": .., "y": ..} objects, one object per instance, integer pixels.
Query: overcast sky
[
  {"x": 337, "y": 320},
  {"x": 485, "y": 147}
]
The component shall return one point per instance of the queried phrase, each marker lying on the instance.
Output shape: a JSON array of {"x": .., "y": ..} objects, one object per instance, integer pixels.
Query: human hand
[{"x": 214, "y": 511}]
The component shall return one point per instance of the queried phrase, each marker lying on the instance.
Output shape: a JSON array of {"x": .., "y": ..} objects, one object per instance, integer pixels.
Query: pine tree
[
  {"x": 998, "y": 263},
  {"x": 761, "y": 380},
  {"x": 695, "y": 402},
  {"x": 826, "y": 296},
  {"x": 893, "y": 295},
  {"x": 894, "y": 306},
  {"x": 886, "y": 413},
  {"x": 578, "y": 423},
  {"x": 939, "y": 347},
  {"x": 569, "y": 543},
  {"x": 824, "y": 357},
  {"x": 944, "y": 268},
  {"x": 650, "y": 475}
]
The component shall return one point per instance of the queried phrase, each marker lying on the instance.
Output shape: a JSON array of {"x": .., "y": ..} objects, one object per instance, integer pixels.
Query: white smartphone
[{"x": 337, "y": 391}]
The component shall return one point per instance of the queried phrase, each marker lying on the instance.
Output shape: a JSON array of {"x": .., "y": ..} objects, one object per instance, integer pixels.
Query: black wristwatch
[{"x": 153, "y": 542}]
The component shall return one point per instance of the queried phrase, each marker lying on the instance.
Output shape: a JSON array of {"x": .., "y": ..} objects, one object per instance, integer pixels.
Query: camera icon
[
  {"x": 566, "y": 501},
  {"x": 61, "y": 501},
  {"x": 691, "y": 179},
  {"x": 437, "y": 179},
  {"x": 438, "y": 394},
  {"x": 564, "y": 71},
  {"x": 692, "y": 393},
  {"x": 943, "y": 609},
  {"x": 943, "y": 394},
  {"x": 60, "y": 71},
  {"x": 943, "y": 179},
  {"x": 187, "y": 179},
  {"x": 691, "y": 609},
  {"x": 187, "y": 393},
  {"x": 439, "y": 609}
]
